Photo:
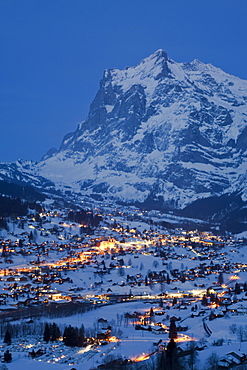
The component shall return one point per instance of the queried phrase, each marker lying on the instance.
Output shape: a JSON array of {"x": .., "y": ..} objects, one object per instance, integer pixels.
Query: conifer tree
[
  {"x": 47, "y": 333},
  {"x": 173, "y": 334},
  {"x": 220, "y": 278},
  {"x": 171, "y": 356},
  {"x": 151, "y": 314},
  {"x": 81, "y": 336},
  {"x": 7, "y": 356},
  {"x": 174, "y": 301},
  {"x": 237, "y": 289},
  {"x": 55, "y": 332},
  {"x": 7, "y": 338},
  {"x": 71, "y": 336},
  {"x": 204, "y": 300}
]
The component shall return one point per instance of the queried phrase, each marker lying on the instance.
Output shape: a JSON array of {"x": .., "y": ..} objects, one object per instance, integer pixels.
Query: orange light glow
[
  {"x": 113, "y": 339},
  {"x": 106, "y": 245},
  {"x": 234, "y": 277},
  {"x": 184, "y": 338},
  {"x": 142, "y": 357}
]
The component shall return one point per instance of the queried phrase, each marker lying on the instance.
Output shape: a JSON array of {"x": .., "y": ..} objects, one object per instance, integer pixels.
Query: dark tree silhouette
[
  {"x": 151, "y": 314},
  {"x": 47, "y": 333},
  {"x": 220, "y": 278},
  {"x": 174, "y": 301},
  {"x": 7, "y": 356},
  {"x": 173, "y": 334},
  {"x": 237, "y": 289},
  {"x": 7, "y": 338},
  {"x": 55, "y": 332},
  {"x": 71, "y": 336},
  {"x": 171, "y": 356},
  {"x": 204, "y": 300}
]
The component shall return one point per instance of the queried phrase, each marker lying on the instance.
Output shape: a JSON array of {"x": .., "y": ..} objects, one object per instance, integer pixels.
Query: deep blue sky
[{"x": 54, "y": 52}]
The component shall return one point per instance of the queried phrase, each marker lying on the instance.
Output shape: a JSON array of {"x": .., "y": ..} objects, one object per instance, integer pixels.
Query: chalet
[
  {"x": 37, "y": 353},
  {"x": 159, "y": 312},
  {"x": 11, "y": 278},
  {"x": 232, "y": 359},
  {"x": 159, "y": 331},
  {"x": 241, "y": 310},
  {"x": 102, "y": 323},
  {"x": 104, "y": 334},
  {"x": 23, "y": 278}
]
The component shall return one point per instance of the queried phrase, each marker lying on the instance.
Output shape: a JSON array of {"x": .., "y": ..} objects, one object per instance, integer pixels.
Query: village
[{"x": 121, "y": 274}]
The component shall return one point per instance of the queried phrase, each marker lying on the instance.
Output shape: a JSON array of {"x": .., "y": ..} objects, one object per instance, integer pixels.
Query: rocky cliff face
[{"x": 161, "y": 132}]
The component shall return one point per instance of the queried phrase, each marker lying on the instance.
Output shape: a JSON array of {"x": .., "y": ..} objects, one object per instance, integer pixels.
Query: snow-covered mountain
[
  {"x": 160, "y": 133},
  {"x": 177, "y": 131}
]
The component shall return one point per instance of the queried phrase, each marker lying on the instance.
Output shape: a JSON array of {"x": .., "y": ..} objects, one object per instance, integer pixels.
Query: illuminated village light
[
  {"x": 113, "y": 339},
  {"x": 140, "y": 358},
  {"x": 184, "y": 338},
  {"x": 107, "y": 245},
  {"x": 197, "y": 292}
]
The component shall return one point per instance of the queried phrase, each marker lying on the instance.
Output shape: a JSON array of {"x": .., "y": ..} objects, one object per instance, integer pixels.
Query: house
[
  {"x": 159, "y": 331},
  {"x": 159, "y": 312},
  {"x": 103, "y": 334},
  {"x": 102, "y": 323},
  {"x": 232, "y": 359},
  {"x": 37, "y": 353}
]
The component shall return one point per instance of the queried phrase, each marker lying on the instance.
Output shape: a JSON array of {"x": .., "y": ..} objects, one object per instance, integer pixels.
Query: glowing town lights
[
  {"x": 29, "y": 346},
  {"x": 86, "y": 349},
  {"x": 142, "y": 357},
  {"x": 184, "y": 338},
  {"x": 234, "y": 277},
  {"x": 197, "y": 292},
  {"x": 107, "y": 245},
  {"x": 213, "y": 305},
  {"x": 113, "y": 339}
]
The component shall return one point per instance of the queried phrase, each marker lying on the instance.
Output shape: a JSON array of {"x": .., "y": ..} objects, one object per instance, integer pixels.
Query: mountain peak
[
  {"x": 154, "y": 67},
  {"x": 156, "y": 64},
  {"x": 160, "y": 54},
  {"x": 158, "y": 131}
]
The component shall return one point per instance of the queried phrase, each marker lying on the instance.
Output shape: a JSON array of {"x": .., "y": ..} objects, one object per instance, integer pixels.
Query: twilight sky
[{"x": 54, "y": 52}]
